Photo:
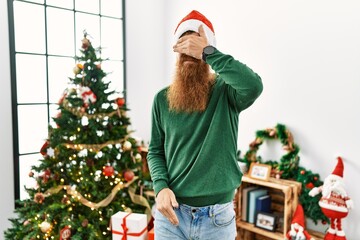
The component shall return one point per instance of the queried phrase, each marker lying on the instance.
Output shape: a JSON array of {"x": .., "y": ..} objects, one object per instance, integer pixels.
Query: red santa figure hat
[
  {"x": 299, "y": 216},
  {"x": 339, "y": 169},
  {"x": 192, "y": 22}
]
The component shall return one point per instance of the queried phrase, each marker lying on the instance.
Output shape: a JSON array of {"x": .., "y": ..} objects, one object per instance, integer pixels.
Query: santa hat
[
  {"x": 192, "y": 22},
  {"x": 299, "y": 216},
  {"x": 339, "y": 169}
]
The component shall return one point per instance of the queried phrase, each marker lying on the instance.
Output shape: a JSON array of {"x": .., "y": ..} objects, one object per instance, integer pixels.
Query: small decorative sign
[{"x": 260, "y": 171}]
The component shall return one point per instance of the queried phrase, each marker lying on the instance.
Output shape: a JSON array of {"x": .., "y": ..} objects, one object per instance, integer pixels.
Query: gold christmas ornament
[
  {"x": 76, "y": 70},
  {"x": 45, "y": 227},
  {"x": 138, "y": 157},
  {"x": 127, "y": 146}
]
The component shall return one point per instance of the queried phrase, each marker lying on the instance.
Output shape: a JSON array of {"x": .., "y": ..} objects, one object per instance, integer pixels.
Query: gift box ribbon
[{"x": 125, "y": 232}]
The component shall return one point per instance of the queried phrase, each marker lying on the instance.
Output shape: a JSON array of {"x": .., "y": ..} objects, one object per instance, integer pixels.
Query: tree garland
[{"x": 288, "y": 167}]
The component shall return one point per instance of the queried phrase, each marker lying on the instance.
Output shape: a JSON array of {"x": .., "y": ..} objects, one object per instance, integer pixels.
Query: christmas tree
[{"x": 91, "y": 165}]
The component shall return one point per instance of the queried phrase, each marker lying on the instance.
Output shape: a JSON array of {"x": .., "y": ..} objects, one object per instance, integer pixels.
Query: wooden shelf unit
[{"x": 290, "y": 191}]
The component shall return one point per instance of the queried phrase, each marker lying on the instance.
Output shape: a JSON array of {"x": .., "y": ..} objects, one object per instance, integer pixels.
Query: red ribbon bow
[{"x": 125, "y": 230}]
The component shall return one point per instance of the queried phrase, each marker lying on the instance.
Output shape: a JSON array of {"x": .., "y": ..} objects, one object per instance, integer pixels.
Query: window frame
[{"x": 13, "y": 78}]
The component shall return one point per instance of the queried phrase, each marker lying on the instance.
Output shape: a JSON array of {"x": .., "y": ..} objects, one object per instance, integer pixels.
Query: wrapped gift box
[
  {"x": 151, "y": 234},
  {"x": 129, "y": 226}
]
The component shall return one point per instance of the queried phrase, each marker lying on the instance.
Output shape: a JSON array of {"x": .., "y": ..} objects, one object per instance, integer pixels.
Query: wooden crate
[
  {"x": 284, "y": 191},
  {"x": 288, "y": 198}
]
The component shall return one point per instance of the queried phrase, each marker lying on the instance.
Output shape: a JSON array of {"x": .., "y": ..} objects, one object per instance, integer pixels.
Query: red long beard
[{"x": 191, "y": 87}]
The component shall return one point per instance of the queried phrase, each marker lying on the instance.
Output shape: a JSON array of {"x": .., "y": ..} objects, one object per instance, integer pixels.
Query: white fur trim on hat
[{"x": 193, "y": 25}]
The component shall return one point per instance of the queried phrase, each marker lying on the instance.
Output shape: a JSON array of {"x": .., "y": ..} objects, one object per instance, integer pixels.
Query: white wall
[
  {"x": 307, "y": 53},
  {"x": 6, "y": 175},
  {"x": 145, "y": 59}
]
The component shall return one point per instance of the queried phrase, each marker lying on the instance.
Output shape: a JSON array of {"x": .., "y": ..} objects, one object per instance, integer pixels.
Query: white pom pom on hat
[{"x": 192, "y": 22}]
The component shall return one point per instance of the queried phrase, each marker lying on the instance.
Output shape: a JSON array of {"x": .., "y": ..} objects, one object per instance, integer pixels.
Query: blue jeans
[{"x": 215, "y": 222}]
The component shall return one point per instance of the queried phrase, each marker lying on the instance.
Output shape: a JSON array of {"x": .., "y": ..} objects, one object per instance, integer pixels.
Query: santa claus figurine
[
  {"x": 334, "y": 203},
  {"x": 297, "y": 231}
]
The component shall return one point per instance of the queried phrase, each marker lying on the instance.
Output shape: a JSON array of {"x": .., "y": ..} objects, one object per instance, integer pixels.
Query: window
[{"x": 45, "y": 36}]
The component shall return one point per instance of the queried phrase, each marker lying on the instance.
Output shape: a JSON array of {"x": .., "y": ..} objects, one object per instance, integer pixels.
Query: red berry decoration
[
  {"x": 310, "y": 185},
  {"x": 108, "y": 171},
  {"x": 120, "y": 102},
  {"x": 46, "y": 175},
  {"x": 302, "y": 172},
  {"x": 128, "y": 175}
]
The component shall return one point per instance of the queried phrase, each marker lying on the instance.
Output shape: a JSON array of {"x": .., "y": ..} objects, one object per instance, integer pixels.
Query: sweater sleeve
[
  {"x": 244, "y": 85},
  {"x": 156, "y": 154}
]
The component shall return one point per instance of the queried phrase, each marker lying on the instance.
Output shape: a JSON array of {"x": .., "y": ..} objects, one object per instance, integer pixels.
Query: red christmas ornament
[
  {"x": 310, "y": 185},
  {"x": 46, "y": 175},
  {"x": 315, "y": 178},
  {"x": 108, "y": 171},
  {"x": 120, "y": 102},
  {"x": 128, "y": 175},
  {"x": 65, "y": 233},
  {"x": 302, "y": 172}
]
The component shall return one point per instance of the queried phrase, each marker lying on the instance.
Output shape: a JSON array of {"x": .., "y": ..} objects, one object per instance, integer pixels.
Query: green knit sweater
[{"x": 195, "y": 154}]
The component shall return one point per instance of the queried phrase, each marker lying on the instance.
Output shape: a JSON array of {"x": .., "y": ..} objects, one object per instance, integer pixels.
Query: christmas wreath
[
  {"x": 288, "y": 164},
  {"x": 288, "y": 167}
]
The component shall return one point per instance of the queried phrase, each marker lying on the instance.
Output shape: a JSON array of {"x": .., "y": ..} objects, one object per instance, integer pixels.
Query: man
[{"x": 193, "y": 149}]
